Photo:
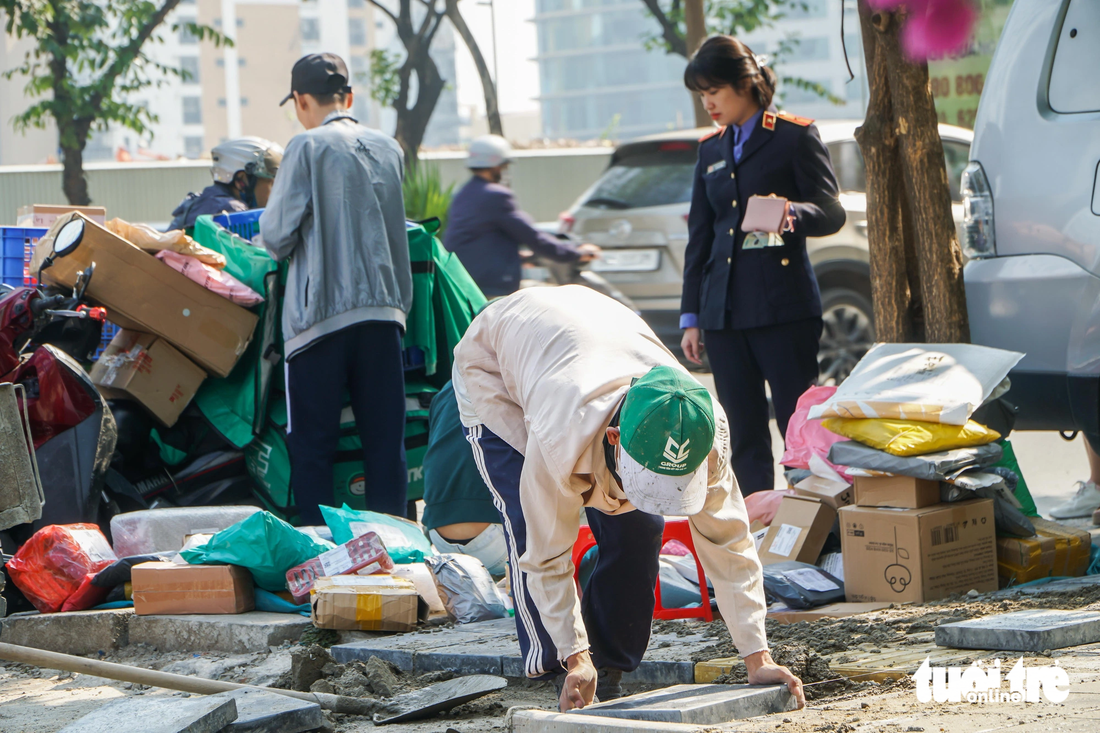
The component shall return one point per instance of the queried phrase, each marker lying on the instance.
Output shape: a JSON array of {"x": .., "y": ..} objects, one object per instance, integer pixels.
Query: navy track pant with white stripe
[{"x": 616, "y": 604}]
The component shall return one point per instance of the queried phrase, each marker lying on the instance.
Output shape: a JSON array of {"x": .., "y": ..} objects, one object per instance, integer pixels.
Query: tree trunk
[
  {"x": 488, "y": 84},
  {"x": 696, "y": 24},
  {"x": 413, "y": 121},
  {"x": 73, "y": 138},
  {"x": 916, "y": 262}
]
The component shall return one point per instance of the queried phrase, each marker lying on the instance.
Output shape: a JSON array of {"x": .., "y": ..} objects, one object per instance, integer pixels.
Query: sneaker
[{"x": 1083, "y": 503}]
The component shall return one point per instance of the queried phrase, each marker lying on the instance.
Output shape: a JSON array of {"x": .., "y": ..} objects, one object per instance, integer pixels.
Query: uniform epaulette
[
  {"x": 800, "y": 121},
  {"x": 712, "y": 133}
]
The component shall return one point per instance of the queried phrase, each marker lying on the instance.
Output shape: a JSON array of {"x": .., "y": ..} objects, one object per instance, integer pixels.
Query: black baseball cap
[{"x": 318, "y": 73}]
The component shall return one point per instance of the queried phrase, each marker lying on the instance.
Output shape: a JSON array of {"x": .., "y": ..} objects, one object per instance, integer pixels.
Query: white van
[{"x": 1031, "y": 199}]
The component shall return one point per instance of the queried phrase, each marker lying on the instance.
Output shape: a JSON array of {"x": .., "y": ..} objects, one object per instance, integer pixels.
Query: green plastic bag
[
  {"x": 264, "y": 544},
  {"x": 1023, "y": 494},
  {"x": 405, "y": 541}
]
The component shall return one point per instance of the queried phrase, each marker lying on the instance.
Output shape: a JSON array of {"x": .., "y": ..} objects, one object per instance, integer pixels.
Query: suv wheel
[{"x": 847, "y": 334}]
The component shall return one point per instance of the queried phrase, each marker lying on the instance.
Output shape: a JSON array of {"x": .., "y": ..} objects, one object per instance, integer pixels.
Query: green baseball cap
[{"x": 667, "y": 431}]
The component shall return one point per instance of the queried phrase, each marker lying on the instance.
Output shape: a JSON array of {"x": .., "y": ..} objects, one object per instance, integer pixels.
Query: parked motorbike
[{"x": 541, "y": 272}]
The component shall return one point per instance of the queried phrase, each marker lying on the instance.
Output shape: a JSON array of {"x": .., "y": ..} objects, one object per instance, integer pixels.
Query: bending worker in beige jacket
[{"x": 569, "y": 400}]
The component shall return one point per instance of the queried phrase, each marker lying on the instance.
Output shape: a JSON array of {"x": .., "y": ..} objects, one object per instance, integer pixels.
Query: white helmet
[
  {"x": 489, "y": 151},
  {"x": 253, "y": 155}
]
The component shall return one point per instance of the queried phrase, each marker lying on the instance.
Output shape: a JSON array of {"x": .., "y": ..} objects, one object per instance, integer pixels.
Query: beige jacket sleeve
[
  {"x": 728, "y": 553},
  {"x": 553, "y": 520}
]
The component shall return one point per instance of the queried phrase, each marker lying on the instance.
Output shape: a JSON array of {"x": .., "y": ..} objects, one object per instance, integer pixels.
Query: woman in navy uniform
[{"x": 752, "y": 298}]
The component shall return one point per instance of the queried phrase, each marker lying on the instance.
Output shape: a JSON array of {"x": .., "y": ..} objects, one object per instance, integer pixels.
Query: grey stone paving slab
[
  {"x": 270, "y": 712},
  {"x": 542, "y": 721},
  {"x": 159, "y": 715},
  {"x": 697, "y": 704},
  {"x": 1023, "y": 631},
  {"x": 76, "y": 632},
  {"x": 491, "y": 647},
  {"x": 434, "y": 699},
  {"x": 234, "y": 633}
]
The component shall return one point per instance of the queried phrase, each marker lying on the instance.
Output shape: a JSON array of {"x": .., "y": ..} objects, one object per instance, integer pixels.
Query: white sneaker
[{"x": 1083, "y": 503}]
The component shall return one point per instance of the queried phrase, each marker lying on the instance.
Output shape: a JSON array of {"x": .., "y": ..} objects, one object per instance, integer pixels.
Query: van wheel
[{"x": 847, "y": 334}]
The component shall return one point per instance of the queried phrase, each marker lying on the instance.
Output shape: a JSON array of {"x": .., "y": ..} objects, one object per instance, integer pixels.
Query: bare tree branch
[
  {"x": 669, "y": 30},
  {"x": 385, "y": 10}
]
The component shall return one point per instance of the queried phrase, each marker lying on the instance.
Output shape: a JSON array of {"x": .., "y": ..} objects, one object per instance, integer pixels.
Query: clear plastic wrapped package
[{"x": 165, "y": 530}]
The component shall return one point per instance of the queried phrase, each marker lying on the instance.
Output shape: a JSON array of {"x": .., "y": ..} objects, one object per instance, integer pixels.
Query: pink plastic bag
[
  {"x": 806, "y": 437},
  {"x": 763, "y": 505},
  {"x": 216, "y": 281}
]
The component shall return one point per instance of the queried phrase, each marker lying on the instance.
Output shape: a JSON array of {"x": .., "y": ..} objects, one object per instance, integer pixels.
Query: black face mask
[{"x": 609, "y": 450}]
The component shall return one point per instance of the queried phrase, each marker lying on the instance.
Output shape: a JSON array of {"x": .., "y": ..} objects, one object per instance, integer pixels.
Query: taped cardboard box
[
  {"x": 1055, "y": 551},
  {"x": 167, "y": 588},
  {"x": 916, "y": 555},
  {"x": 44, "y": 215},
  {"x": 834, "y": 493},
  {"x": 141, "y": 293},
  {"x": 146, "y": 368},
  {"x": 798, "y": 531},
  {"x": 903, "y": 492},
  {"x": 365, "y": 603}
]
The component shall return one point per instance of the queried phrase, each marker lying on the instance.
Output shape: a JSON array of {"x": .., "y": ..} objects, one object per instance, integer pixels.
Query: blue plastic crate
[
  {"x": 16, "y": 248},
  {"x": 245, "y": 224},
  {"x": 109, "y": 331}
]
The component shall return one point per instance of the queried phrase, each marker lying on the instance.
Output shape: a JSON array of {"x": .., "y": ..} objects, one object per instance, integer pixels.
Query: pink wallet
[{"x": 765, "y": 214}]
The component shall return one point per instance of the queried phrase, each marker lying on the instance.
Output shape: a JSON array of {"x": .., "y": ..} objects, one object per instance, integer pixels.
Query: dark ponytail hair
[{"x": 725, "y": 61}]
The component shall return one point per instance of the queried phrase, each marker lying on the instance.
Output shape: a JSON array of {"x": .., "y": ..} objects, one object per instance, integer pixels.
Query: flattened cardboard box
[
  {"x": 168, "y": 588},
  {"x": 141, "y": 293},
  {"x": 903, "y": 492},
  {"x": 365, "y": 603},
  {"x": 146, "y": 368},
  {"x": 1056, "y": 550},
  {"x": 44, "y": 215},
  {"x": 915, "y": 555},
  {"x": 833, "y": 610},
  {"x": 798, "y": 531}
]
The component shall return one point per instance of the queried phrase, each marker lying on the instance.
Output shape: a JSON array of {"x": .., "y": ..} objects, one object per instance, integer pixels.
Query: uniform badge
[
  {"x": 768, "y": 120},
  {"x": 716, "y": 166}
]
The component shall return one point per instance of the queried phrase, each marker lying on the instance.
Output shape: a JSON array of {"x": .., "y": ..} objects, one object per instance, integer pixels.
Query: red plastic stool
[{"x": 674, "y": 530}]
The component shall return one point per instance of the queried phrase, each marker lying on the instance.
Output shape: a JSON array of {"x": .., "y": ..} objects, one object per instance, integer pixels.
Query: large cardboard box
[
  {"x": 170, "y": 588},
  {"x": 1055, "y": 551},
  {"x": 141, "y": 293},
  {"x": 44, "y": 215},
  {"x": 896, "y": 491},
  {"x": 915, "y": 555},
  {"x": 365, "y": 603},
  {"x": 146, "y": 368},
  {"x": 798, "y": 531},
  {"x": 834, "y": 493}
]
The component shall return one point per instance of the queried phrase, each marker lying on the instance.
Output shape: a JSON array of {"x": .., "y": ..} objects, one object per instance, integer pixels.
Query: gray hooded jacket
[{"x": 337, "y": 212}]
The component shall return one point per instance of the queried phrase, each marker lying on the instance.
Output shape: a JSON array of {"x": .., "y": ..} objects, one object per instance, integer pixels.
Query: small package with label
[
  {"x": 370, "y": 603},
  {"x": 364, "y": 555}
]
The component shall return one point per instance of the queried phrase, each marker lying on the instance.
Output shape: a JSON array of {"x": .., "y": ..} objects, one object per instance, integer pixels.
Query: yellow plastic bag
[{"x": 909, "y": 437}]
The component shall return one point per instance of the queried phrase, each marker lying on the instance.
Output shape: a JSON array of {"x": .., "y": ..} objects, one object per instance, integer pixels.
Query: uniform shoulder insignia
[
  {"x": 800, "y": 121},
  {"x": 712, "y": 133}
]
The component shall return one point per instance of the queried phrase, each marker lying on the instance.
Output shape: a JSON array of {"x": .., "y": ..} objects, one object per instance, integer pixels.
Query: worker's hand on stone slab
[
  {"x": 580, "y": 682},
  {"x": 764, "y": 671}
]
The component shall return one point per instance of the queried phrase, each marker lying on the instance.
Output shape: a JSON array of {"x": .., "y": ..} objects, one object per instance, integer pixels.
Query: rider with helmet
[
  {"x": 485, "y": 226},
  {"x": 244, "y": 170}
]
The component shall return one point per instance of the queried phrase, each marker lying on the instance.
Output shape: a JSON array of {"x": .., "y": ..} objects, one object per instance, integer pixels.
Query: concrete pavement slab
[
  {"x": 159, "y": 715},
  {"x": 1023, "y": 631},
  {"x": 269, "y": 712},
  {"x": 76, "y": 632},
  {"x": 434, "y": 699},
  {"x": 233, "y": 633},
  {"x": 697, "y": 704}
]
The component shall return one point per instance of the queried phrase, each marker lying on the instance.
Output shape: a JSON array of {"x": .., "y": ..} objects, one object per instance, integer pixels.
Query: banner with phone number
[{"x": 957, "y": 82}]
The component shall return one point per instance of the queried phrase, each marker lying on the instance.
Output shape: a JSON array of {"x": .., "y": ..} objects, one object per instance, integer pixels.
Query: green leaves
[
  {"x": 425, "y": 195},
  {"x": 385, "y": 77}
]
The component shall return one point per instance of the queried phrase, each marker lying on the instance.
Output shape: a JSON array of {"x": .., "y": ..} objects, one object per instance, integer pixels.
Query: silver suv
[{"x": 637, "y": 211}]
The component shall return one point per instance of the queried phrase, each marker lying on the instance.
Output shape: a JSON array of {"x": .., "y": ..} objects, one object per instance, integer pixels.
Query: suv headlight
[{"x": 979, "y": 238}]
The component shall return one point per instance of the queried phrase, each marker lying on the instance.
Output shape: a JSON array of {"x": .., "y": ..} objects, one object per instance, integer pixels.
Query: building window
[
  {"x": 221, "y": 101},
  {"x": 187, "y": 38},
  {"x": 192, "y": 146},
  {"x": 192, "y": 110},
  {"x": 244, "y": 101},
  {"x": 357, "y": 3},
  {"x": 220, "y": 63},
  {"x": 310, "y": 29},
  {"x": 240, "y": 62},
  {"x": 360, "y": 71},
  {"x": 189, "y": 65},
  {"x": 806, "y": 9},
  {"x": 357, "y": 32}
]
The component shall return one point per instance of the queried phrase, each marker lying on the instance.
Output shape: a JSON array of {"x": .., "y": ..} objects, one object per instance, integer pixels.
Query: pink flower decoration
[{"x": 937, "y": 28}]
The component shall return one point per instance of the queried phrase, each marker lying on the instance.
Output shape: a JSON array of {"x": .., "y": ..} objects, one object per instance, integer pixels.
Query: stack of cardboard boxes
[{"x": 174, "y": 331}]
